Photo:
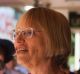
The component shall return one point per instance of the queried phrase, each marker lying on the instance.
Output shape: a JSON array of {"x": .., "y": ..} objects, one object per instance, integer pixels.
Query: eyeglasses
[{"x": 27, "y": 33}]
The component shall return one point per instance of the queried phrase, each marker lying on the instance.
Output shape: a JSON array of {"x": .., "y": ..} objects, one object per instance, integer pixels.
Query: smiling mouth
[{"x": 21, "y": 50}]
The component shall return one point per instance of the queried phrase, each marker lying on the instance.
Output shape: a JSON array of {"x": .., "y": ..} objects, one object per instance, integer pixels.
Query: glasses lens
[{"x": 28, "y": 33}]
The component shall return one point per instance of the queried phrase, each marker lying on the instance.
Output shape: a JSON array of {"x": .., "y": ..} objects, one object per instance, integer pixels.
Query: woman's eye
[{"x": 28, "y": 33}]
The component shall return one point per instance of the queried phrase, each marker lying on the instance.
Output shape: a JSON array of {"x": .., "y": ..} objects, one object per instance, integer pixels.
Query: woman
[{"x": 43, "y": 42}]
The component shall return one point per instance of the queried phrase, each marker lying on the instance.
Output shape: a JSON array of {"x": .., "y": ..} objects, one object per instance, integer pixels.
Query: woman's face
[{"x": 31, "y": 44}]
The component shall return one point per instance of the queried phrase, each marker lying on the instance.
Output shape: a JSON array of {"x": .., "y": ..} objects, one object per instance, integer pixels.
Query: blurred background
[{"x": 10, "y": 11}]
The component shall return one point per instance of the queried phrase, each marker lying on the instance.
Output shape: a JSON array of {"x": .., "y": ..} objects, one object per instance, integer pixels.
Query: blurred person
[
  {"x": 10, "y": 67},
  {"x": 2, "y": 65},
  {"x": 11, "y": 64},
  {"x": 1, "y": 54},
  {"x": 8, "y": 49},
  {"x": 42, "y": 40}
]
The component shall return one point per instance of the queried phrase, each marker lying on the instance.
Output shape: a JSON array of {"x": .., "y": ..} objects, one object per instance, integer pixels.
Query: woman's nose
[{"x": 19, "y": 38}]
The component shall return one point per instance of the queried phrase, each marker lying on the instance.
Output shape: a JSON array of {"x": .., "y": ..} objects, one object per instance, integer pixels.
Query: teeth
[{"x": 21, "y": 49}]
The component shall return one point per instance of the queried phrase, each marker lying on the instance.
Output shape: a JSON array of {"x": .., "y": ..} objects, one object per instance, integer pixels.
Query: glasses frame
[{"x": 23, "y": 33}]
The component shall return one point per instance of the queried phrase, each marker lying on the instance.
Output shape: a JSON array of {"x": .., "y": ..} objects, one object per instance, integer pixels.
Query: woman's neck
[
  {"x": 43, "y": 68},
  {"x": 47, "y": 68}
]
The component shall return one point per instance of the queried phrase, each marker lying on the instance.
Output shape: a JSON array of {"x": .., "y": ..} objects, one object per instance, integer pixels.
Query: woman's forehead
[{"x": 22, "y": 26}]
